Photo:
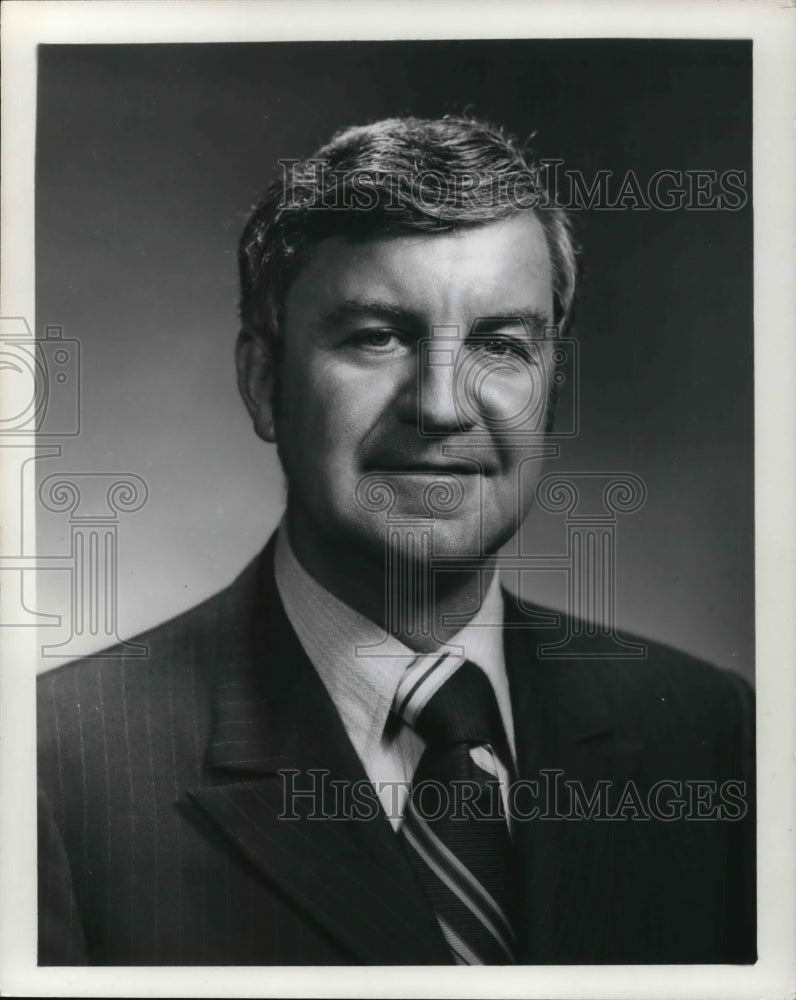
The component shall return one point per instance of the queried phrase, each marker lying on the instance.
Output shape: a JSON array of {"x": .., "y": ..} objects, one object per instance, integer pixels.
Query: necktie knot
[{"x": 446, "y": 700}]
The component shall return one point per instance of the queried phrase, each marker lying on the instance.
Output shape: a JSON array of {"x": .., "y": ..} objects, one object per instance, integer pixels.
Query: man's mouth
[{"x": 441, "y": 467}]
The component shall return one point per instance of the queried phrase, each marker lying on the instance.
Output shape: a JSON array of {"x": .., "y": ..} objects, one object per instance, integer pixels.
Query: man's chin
[
  {"x": 418, "y": 540},
  {"x": 406, "y": 533}
]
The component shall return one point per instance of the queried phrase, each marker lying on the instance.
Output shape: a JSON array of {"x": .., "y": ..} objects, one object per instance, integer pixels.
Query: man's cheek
[{"x": 511, "y": 492}]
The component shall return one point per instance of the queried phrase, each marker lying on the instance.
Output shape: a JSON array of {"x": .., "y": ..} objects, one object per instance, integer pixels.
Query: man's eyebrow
[
  {"x": 359, "y": 308},
  {"x": 535, "y": 320}
]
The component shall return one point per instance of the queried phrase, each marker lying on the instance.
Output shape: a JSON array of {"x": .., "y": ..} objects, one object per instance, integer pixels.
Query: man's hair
[{"x": 395, "y": 176}]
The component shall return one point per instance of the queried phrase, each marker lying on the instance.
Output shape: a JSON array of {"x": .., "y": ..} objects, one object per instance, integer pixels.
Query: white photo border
[{"x": 771, "y": 27}]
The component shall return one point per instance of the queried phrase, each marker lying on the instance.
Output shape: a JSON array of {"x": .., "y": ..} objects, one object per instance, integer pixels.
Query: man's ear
[{"x": 257, "y": 382}]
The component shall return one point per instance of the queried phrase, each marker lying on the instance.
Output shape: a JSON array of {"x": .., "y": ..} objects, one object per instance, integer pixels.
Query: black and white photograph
[{"x": 393, "y": 501}]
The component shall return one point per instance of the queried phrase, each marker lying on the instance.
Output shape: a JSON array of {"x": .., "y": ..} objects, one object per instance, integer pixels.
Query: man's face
[{"x": 416, "y": 362}]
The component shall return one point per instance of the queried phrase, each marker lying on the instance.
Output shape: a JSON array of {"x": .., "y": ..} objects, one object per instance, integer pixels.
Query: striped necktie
[{"x": 454, "y": 822}]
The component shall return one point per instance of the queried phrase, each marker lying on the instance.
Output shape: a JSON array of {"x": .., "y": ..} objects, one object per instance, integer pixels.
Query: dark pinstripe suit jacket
[{"x": 160, "y": 839}]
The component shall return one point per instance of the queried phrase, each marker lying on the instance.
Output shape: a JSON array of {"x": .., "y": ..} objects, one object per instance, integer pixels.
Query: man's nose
[{"x": 440, "y": 407}]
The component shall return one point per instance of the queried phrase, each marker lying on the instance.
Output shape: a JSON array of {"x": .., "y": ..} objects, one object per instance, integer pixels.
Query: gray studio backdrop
[{"x": 148, "y": 159}]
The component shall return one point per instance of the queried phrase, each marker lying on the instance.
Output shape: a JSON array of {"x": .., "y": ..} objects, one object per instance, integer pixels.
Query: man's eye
[
  {"x": 497, "y": 347},
  {"x": 379, "y": 340},
  {"x": 500, "y": 347}
]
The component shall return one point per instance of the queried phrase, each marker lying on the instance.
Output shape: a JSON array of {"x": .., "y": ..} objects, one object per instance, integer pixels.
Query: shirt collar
[{"x": 360, "y": 664}]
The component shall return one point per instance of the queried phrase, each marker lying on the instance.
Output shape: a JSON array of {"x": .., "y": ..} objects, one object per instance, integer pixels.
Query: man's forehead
[{"x": 492, "y": 269}]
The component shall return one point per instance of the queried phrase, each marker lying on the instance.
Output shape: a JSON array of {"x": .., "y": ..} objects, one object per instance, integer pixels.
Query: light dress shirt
[{"x": 361, "y": 665}]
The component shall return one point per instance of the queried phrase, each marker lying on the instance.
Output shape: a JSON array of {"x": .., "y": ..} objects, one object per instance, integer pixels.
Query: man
[{"x": 357, "y": 752}]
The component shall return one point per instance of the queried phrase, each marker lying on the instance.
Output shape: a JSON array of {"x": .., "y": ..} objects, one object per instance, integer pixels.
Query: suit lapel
[
  {"x": 278, "y": 733},
  {"x": 564, "y": 731}
]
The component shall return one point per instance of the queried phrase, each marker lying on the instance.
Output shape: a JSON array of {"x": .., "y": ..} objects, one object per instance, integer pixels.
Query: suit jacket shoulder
[
  {"x": 658, "y": 686},
  {"x": 119, "y": 739}
]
